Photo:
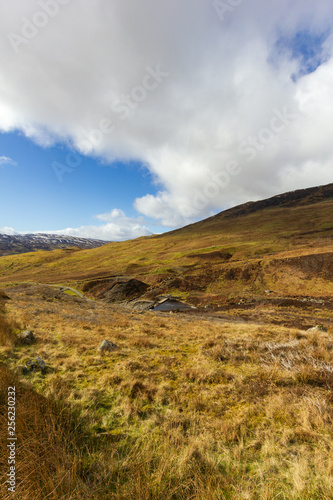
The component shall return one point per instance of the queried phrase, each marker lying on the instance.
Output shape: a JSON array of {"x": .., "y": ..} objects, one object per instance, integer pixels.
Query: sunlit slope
[{"x": 206, "y": 248}]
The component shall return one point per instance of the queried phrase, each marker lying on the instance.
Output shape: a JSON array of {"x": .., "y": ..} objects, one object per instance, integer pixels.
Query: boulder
[
  {"x": 317, "y": 329},
  {"x": 142, "y": 305},
  {"x": 26, "y": 337},
  {"x": 107, "y": 346},
  {"x": 36, "y": 365}
]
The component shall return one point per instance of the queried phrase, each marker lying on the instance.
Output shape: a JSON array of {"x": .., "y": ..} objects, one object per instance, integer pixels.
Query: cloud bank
[
  {"x": 116, "y": 226},
  {"x": 221, "y": 104}
]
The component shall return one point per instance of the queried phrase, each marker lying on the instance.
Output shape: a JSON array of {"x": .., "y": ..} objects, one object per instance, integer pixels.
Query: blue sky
[
  {"x": 37, "y": 195},
  {"x": 306, "y": 48},
  {"x": 172, "y": 111}
]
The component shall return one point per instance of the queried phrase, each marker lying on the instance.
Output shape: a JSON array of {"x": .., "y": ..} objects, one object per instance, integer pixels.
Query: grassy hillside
[
  {"x": 185, "y": 408},
  {"x": 288, "y": 249},
  {"x": 231, "y": 402}
]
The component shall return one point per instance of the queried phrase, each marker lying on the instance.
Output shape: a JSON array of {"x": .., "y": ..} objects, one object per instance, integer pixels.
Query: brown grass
[
  {"x": 49, "y": 444},
  {"x": 186, "y": 408},
  {"x": 8, "y": 338}
]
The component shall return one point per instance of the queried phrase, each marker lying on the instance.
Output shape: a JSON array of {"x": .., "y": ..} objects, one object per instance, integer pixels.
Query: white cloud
[
  {"x": 224, "y": 80},
  {"x": 116, "y": 213},
  {"x": 117, "y": 227},
  {"x": 7, "y": 230},
  {"x": 4, "y": 160}
]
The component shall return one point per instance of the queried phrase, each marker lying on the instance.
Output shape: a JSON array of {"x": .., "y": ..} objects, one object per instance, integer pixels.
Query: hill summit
[
  {"x": 291, "y": 199},
  {"x": 297, "y": 198}
]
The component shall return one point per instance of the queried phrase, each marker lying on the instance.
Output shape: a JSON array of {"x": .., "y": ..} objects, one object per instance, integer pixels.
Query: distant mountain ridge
[{"x": 22, "y": 243}]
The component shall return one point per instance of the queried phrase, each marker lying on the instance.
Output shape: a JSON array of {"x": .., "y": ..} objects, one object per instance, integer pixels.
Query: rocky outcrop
[
  {"x": 37, "y": 365},
  {"x": 26, "y": 337},
  {"x": 116, "y": 289},
  {"x": 107, "y": 346},
  {"x": 317, "y": 329}
]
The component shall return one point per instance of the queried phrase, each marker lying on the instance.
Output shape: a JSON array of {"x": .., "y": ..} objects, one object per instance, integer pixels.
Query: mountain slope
[
  {"x": 285, "y": 245},
  {"x": 298, "y": 198},
  {"x": 22, "y": 243}
]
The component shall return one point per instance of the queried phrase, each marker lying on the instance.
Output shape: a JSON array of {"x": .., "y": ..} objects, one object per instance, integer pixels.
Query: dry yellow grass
[
  {"x": 49, "y": 444},
  {"x": 186, "y": 408}
]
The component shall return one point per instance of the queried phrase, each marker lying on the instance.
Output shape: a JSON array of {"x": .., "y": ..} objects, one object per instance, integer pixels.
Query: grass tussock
[
  {"x": 8, "y": 327},
  {"x": 49, "y": 444}
]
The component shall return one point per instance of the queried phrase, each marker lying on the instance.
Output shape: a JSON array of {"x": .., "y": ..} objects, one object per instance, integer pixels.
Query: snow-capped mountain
[{"x": 20, "y": 243}]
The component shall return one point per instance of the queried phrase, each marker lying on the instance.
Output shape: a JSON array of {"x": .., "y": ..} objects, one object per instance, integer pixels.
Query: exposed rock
[
  {"x": 142, "y": 305},
  {"x": 317, "y": 328},
  {"x": 115, "y": 289},
  {"x": 36, "y": 365},
  {"x": 125, "y": 290},
  {"x": 161, "y": 303},
  {"x": 171, "y": 304},
  {"x": 26, "y": 337},
  {"x": 107, "y": 346}
]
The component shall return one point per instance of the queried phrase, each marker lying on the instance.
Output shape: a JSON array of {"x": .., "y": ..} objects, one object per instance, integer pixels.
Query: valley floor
[{"x": 224, "y": 403}]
